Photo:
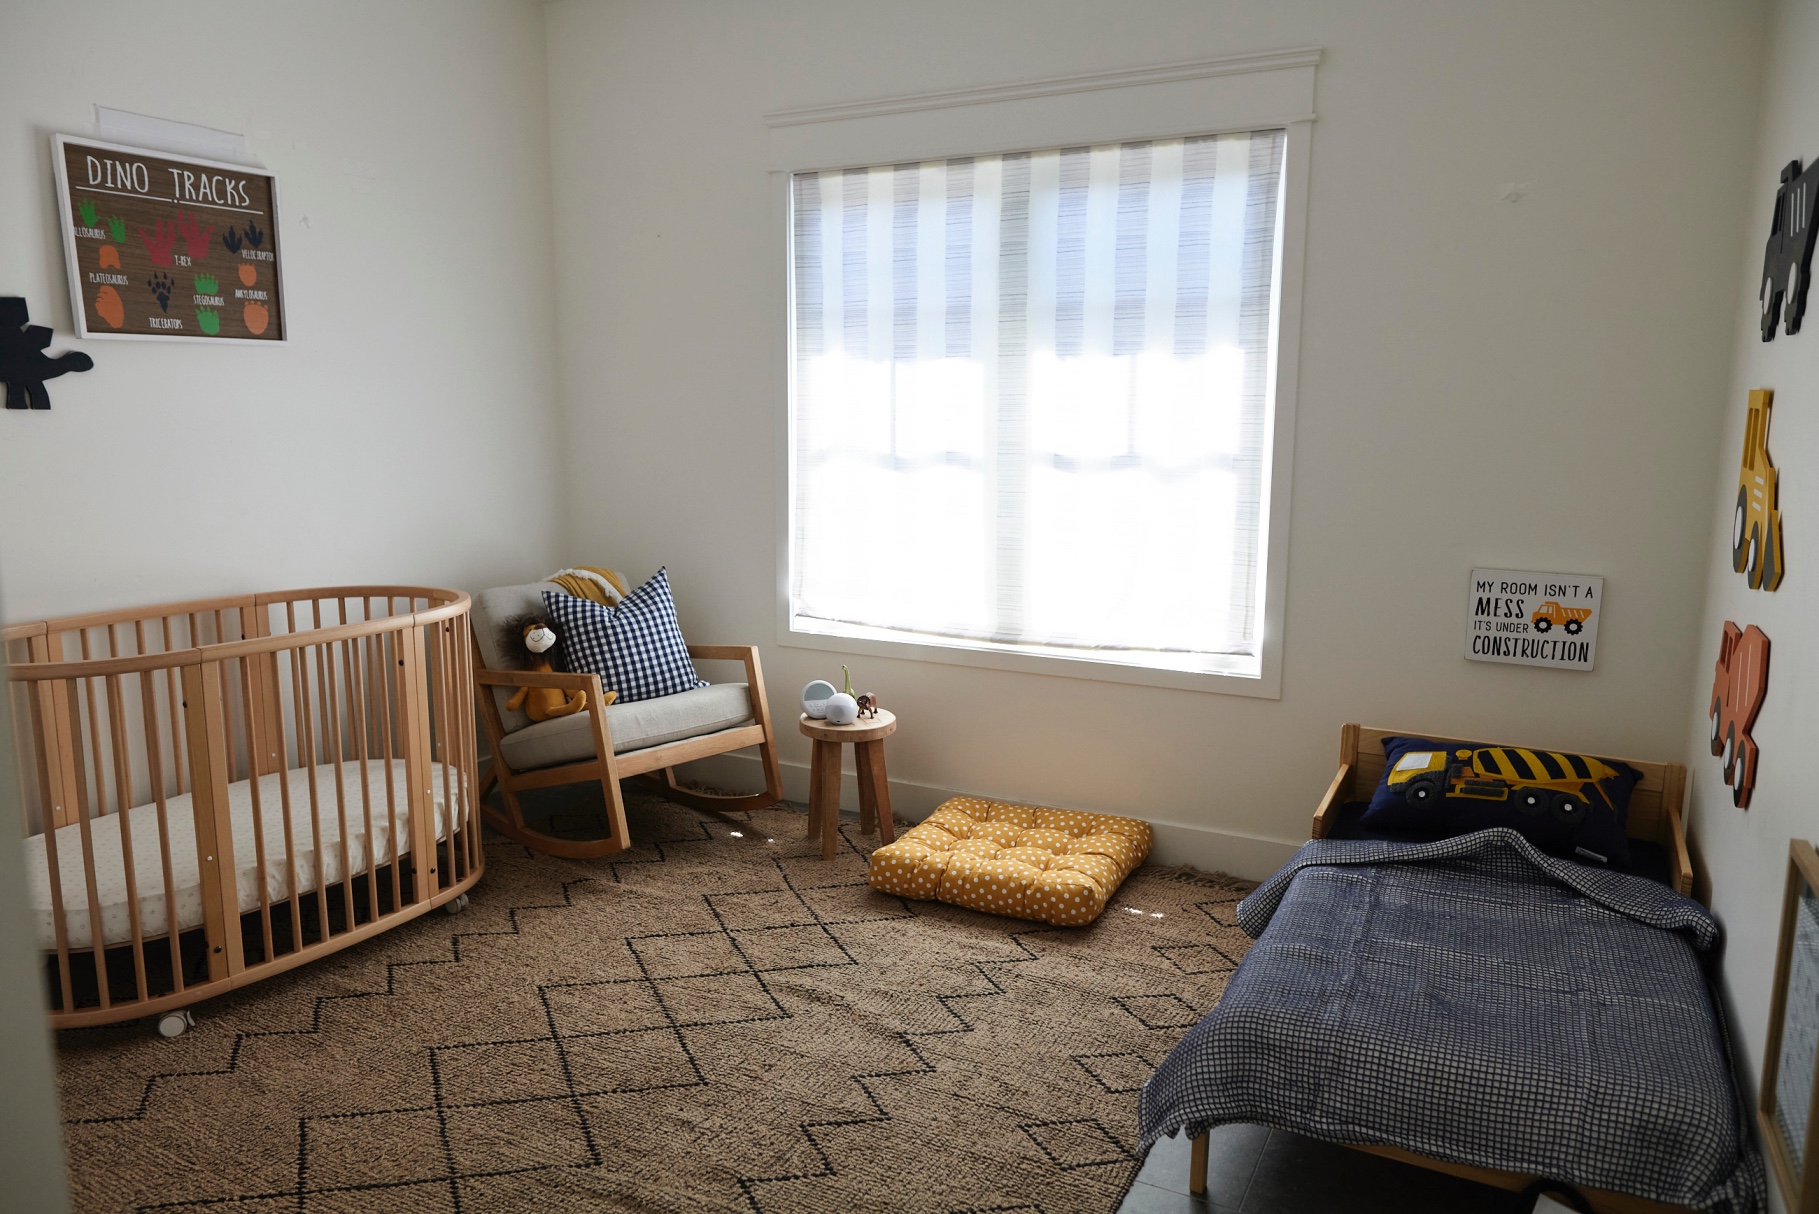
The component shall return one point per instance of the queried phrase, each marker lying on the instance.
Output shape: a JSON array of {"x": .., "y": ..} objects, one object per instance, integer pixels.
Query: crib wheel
[
  {"x": 174, "y": 1024},
  {"x": 455, "y": 905}
]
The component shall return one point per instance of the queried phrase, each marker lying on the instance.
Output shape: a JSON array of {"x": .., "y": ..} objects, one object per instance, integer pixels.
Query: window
[{"x": 1031, "y": 400}]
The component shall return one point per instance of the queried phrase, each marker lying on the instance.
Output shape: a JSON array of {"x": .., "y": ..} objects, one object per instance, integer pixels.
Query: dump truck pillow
[
  {"x": 1571, "y": 805},
  {"x": 1054, "y": 865}
]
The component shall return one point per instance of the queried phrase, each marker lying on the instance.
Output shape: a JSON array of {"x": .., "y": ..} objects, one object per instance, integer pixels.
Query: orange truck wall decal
[
  {"x": 1756, "y": 527},
  {"x": 1739, "y": 685}
]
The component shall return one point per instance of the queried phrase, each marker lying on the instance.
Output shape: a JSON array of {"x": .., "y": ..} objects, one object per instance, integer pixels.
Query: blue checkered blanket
[{"x": 1479, "y": 1001}]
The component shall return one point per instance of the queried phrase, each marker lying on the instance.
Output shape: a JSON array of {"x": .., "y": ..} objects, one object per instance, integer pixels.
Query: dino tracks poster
[{"x": 164, "y": 246}]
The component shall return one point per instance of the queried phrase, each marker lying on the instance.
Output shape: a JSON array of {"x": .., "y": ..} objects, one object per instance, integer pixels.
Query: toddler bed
[
  {"x": 219, "y": 791},
  {"x": 1479, "y": 1006}
]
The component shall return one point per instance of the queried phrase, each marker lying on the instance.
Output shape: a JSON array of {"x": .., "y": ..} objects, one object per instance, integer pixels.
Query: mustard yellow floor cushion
[{"x": 1049, "y": 864}]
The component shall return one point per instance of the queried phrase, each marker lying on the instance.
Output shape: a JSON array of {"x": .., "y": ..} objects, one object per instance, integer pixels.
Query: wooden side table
[{"x": 867, "y": 735}]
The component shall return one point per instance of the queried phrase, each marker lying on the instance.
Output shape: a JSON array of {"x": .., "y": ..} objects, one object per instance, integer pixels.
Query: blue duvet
[{"x": 1480, "y": 1001}]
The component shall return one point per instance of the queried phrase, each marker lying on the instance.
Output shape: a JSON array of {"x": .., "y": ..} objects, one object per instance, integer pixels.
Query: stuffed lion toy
[{"x": 527, "y": 640}]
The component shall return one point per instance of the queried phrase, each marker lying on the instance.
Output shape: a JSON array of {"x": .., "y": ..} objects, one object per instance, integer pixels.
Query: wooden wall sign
[
  {"x": 1787, "y": 258},
  {"x": 1756, "y": 526},
  {"x": 163, "y": 246},
  {"x": 24, "y": 365},
  {"x": 1533, "y": 619},
  {"x": 1739, "y": 685}
]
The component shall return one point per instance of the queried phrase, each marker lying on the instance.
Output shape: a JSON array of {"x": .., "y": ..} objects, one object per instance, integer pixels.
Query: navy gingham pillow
[{"x": 636, "y": 648}]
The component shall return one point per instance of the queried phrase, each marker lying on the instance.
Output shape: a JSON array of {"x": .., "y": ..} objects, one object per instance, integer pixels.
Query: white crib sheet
[{"x": 186, "y": 878}]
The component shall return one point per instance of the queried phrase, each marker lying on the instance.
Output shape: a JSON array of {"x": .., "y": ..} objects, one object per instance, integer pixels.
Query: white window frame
[{"x": 1205, "y": 97}]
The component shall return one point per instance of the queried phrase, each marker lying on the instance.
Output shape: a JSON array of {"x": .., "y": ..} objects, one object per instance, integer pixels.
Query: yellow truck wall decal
[{"x": 1756, "y": 526}]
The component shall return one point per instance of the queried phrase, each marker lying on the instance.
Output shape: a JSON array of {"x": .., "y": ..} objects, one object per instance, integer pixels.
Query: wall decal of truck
[
  {"x": 1787, "y": 259},
  {"x": 1536, "y": 781},
  {"x": 1571, "y": 620},
  {"x": 1756, "y": 527},
  {"x": 1739, "y": 685}
]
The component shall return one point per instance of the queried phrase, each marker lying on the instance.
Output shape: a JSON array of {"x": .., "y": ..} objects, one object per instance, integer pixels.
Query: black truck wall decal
[{"x": 1787, "y": 259}]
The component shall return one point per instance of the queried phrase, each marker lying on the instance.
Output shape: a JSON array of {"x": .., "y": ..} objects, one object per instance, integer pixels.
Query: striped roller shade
[{"x": 1030, "y": 398}]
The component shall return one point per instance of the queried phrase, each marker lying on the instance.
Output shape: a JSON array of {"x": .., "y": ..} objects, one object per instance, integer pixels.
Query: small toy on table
[{"x": 527, "y": 640}]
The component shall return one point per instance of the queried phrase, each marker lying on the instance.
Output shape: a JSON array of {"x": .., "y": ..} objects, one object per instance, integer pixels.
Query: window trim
[{"x": 1216, "y": 96}]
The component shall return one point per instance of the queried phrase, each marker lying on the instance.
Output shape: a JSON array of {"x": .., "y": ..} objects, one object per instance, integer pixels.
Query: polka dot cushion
[{"x": 1049, "y": 864}]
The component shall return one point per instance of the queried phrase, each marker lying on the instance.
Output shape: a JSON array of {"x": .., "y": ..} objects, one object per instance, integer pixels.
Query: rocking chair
[{"x": 613, "y": 742}]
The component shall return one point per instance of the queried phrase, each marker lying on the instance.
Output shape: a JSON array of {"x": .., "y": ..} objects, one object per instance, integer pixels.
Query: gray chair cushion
[
  {"x": 492, "y": 608},
  {"x": 687, "y": 714}
]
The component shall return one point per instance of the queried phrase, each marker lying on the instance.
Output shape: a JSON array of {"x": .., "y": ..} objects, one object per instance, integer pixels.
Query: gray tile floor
[{"x": 1252, "y": 1169}]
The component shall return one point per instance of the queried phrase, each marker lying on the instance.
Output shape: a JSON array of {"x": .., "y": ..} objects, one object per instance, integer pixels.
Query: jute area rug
[{"x": 715, "y": 1020}]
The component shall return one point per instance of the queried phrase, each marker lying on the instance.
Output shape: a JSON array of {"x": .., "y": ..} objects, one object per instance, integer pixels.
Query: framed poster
[
  {"x": 168, "y": 247},
  {"x": 1533, "y": 619},
  {"x": 1784, "y": 1106}
]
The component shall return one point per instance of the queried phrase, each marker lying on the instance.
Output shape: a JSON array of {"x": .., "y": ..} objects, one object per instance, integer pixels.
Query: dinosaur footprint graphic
[
  {"x": 162, "y": 286},
  {"x": 231, "y": 239},
  {"x": 116, "y": 228},
  {"x": 209, "y": 320}
]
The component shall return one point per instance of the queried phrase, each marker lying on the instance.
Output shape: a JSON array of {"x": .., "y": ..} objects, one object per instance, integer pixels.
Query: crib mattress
[{"x": 186, "y": 878}]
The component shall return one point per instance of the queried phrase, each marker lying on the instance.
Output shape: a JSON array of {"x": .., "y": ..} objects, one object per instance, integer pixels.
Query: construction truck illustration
[
  {"x": 1536, "y": 781},
  {"x": 1739, "y": 685},
  {"x": 1756, "y": 527},
  {"x": 1787, "y": 257},
  {"x": 1570, "y": 619}
]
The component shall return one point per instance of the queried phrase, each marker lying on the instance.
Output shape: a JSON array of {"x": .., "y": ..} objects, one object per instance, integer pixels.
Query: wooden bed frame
[{"x": 1654, "y": 816}]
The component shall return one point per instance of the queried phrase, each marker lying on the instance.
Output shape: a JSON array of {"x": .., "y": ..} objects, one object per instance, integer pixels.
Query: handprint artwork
[{"x": 162, "y": 246}]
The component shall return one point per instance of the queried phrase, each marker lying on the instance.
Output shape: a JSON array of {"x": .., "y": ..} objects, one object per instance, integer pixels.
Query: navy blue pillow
[
  {"x": 1571, "y": 805},
  {"x": 636, "y": 648}
]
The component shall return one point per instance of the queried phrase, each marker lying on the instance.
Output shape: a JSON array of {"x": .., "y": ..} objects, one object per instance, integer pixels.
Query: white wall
[
  {"x": 31, "y": 1132},
  {"x": 1744, "y": 852},
  {"x": 1531, "y": 384},
  {"x": 407, "y": 432}
]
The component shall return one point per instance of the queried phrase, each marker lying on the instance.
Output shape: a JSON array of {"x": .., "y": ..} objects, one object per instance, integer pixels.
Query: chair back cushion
[
  {"x": 636, "y": 648},
  {"x": 492, "y": 608}
]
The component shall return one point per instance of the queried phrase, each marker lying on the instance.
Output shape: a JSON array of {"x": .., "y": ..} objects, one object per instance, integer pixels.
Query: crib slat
[
  {"x": 94, "y": 732},
  {"x": 255, "y": 622},
  {"x": 214, "y": 823},
  {"x": 57, "y": 752},
  {"x": 176, "y": 717},
  {"x": 123, "y": 783},
  {"x": 383, "y": 666},
  {"x": 413, "y": 712},
  {"x": 155, "y": 761},
  {"x": 284, "y": 801},
  {"x": 470, "y": 757},
  {"x": 331, "y": 713},
  {"x": 253, "y": 781},
  {"x": 307, "y": 716},
  {"x": 88, "y": 860},
  {"x": 445, "y": 755},
  {"x": 356, "y": 725}
]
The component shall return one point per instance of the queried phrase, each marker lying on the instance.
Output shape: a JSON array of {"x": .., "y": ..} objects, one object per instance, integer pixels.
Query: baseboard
[{"x": 1252, "y": 857}]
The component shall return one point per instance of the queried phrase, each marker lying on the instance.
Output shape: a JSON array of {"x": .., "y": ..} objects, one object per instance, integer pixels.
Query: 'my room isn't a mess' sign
[
  {"x": 1533, "y": 619},
  {"x": 168, "y": 247}
]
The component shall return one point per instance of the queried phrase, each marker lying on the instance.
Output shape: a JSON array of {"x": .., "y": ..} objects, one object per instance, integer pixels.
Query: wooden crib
[{"x": 218, "y": 791}]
